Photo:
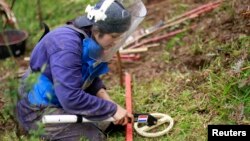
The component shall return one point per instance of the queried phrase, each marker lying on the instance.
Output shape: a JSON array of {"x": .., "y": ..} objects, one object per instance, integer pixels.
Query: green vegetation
[
  {"x": 53, "y": 13},
  {"x": 215, "y": 92}
]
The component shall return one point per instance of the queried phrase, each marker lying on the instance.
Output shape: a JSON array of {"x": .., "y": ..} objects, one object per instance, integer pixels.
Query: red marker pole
[{"x": 129, "y": 126}]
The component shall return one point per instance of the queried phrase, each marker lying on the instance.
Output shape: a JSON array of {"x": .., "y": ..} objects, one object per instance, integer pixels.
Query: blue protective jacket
[{"x": 43, "y": 92}]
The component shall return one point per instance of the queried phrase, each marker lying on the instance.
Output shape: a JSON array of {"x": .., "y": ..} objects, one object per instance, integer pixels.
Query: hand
[{"x": 122, "y": 117}]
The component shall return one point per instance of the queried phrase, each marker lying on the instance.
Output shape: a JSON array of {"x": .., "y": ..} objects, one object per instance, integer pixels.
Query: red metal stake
[{"x": 129, "y": 126}]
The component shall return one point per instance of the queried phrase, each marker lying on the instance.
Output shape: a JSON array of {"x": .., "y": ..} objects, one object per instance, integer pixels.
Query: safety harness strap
[{"x": 77, "y": 29}]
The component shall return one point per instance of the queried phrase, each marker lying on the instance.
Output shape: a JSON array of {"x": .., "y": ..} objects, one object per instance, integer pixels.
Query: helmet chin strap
[{"x": 98, "y": 14}]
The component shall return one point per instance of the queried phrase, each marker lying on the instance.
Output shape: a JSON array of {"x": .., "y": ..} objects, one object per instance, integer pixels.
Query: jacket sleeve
[{"x": 67, "y": 77}]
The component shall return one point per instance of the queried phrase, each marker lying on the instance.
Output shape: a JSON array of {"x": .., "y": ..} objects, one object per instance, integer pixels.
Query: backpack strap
[
  {"x": 46, "y": 30},
  {"x": 77, "y": 30}
]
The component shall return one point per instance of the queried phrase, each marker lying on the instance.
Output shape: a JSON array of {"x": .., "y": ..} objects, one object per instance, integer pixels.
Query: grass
[
  {"x": 216, "y": 93},
  {"x": 216, "y": 99}
]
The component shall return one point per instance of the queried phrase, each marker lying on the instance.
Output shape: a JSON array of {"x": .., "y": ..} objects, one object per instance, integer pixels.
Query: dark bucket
[{"x": 13, "y": 40}]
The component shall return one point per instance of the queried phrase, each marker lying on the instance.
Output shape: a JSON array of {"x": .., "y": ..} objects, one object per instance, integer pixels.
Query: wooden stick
[
  {"x": 119, "y": 65},
  {"x": 245, "y": 68},
  {"x": 129, "y": 60},
  {"x": 39, "y": 13},
  {"x": 158, "y": 38},
  {"x": 130, "y": 57},
  {"x": 137, "y": 50},
  {"x": 152, "y": 45},
  {"x": 196, "y": 10}
]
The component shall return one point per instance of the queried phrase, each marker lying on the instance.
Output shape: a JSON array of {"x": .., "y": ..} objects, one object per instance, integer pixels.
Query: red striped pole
[{"x": 129, "y": 126}]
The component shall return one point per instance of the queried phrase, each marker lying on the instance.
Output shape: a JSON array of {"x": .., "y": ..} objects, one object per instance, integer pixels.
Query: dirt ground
[{"x": 221, "y": 27}]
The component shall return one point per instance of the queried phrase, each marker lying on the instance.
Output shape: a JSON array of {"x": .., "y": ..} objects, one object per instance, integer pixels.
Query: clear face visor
[{"x": 137, "y": 12}]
